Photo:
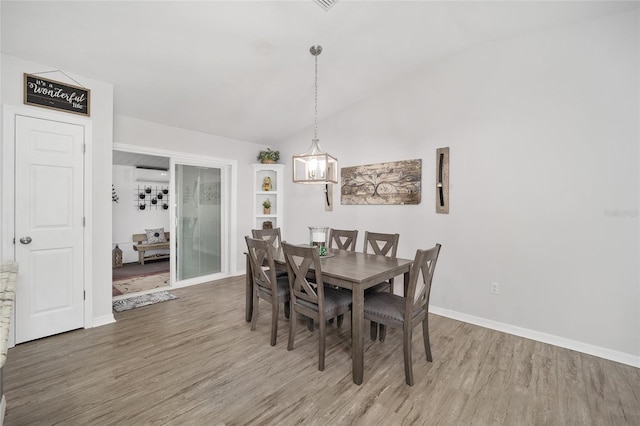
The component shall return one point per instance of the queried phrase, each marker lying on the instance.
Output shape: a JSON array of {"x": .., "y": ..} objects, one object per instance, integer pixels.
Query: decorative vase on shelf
[{"x": 267, "y": 210}]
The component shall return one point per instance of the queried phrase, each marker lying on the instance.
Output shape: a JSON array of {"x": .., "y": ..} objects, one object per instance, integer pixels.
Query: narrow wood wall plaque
[
  {"x": 442, "y": 180},
  {"x": 52, "y": 94}
]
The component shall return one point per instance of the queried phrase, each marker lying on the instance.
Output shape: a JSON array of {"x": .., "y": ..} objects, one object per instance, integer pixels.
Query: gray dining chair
[
  {"x": 274, "y": 237},
  {"x": 312, "y": 300},
  {"x": 343, "y": 239},
  {"x": 266, "y": 285},
  {"x": 382, "y": 245},
  {"x": 408, "y": 311}
]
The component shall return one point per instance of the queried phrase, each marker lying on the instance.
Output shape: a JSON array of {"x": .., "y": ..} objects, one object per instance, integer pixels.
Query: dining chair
[
  {"x": 274, "y": 237},
  {"x": 343, "y": 239},
  {"x": 408, "y": 311},
  {"x": 312, "y": 300},
  {"x": 266, "y": 285},
  {"x": 382, "y": 245}
]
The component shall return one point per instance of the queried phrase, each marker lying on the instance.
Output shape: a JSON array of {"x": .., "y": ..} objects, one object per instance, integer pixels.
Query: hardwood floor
[{"x": 194, "y": 361}]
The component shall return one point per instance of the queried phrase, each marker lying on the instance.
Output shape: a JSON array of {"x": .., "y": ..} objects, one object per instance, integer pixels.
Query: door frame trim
[{"x": 7, "y": 247}]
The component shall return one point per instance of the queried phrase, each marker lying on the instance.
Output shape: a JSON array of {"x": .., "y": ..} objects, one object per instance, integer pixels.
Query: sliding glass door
[{"x": 200, "y": 219}]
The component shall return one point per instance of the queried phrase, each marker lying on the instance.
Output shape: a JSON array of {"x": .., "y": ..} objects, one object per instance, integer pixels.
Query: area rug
[
  {"x": 140, "y": 283},
  {"x": 143, "y": 300}
]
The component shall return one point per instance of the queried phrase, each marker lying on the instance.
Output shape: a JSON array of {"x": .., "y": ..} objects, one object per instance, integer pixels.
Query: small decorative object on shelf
[
  {"x": 267, "y": 206},
  {"x": 266, "y": 184},
  {"x": 116, "y": 257},
  {"x": 114, "y": 196},
  {"x": 267, "y": 224},
  {"x": 268, "y": 156},
  {"x": 147, "y": 190}
]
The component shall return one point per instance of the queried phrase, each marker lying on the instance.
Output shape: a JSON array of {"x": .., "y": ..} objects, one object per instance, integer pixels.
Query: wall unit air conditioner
[{"x": 151, "y": 175}]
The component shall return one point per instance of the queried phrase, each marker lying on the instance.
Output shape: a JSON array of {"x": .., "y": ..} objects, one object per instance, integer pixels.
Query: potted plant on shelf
[
  {"x": 267, "y": 156},
  {"x": 267, "y": 206}
]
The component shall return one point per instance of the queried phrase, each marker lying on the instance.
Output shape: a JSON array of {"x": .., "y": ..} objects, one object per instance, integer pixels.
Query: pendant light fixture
[{"x": 315, "y": 165}]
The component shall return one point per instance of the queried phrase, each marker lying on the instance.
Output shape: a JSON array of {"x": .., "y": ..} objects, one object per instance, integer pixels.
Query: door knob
[{"x": 25, "y": 240}]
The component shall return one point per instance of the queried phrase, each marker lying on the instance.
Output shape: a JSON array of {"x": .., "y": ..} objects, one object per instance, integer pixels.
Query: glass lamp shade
[
  {"x": 318, "y": 236},
  {"x": 315, "y": 166}
]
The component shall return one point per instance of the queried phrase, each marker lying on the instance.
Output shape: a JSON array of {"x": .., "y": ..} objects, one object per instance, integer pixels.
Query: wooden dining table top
[{"x": 346, "y": 268}]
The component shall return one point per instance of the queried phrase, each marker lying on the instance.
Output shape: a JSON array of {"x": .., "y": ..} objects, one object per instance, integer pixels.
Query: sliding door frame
[{"x": 229, "y": 214}]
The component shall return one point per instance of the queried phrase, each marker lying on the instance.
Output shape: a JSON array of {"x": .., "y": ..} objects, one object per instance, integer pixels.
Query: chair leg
[
  {"x": 425, "y": 335},
  {"x": 374, "y": 330},
  {"x": 287, "y": 309},
  {"x": 340, "y": 320},
  {"x": 292, "y": 330},
  {"x": 254, "y": 315},
  {"x": 274, "y": 322},
  {"x": 406, "y": 346},
  {"x": 323, "y": 327},
  {"x": 383, "y": 332},
  {"x": 310, "y": 324}
]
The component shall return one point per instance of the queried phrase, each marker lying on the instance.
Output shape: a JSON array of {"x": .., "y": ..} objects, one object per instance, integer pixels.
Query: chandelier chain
[{"x": 315, "y": 129}]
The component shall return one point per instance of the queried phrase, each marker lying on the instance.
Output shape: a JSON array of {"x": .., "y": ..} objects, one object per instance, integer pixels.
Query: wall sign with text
[{"x": 55, "y": 95}]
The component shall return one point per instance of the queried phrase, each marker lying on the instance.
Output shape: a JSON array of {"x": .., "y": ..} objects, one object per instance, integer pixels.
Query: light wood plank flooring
[{"x": 194, "y": 361}]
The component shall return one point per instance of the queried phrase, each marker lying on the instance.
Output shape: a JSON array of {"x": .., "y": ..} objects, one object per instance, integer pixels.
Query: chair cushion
[
  {"x": 384, "y": 305},
  {"x": 335, "y": 302},
  {"x": 283, "y": 287}
]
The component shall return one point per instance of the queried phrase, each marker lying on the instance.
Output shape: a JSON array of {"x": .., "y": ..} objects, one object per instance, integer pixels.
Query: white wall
[
  {"x": 128, "y": 219},
  {"x": 544, "y": 134},
  {"x": 98, "y": 284},
  {"x": 144, "y": 134}
]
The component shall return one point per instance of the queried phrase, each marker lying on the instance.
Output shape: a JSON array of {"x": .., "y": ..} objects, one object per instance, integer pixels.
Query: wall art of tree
[{"x": 398, "y": 182}]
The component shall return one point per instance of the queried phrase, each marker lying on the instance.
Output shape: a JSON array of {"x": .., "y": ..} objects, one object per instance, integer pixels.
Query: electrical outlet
[{"x": 495, "y": 288}]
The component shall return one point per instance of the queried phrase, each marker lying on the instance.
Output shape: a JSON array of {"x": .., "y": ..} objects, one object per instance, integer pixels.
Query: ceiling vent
[
  {"x": 151, "y": 175},
  {"x": 326, "y": 4}
]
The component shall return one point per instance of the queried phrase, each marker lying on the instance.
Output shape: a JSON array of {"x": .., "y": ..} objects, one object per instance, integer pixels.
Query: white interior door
[{"x": 49, "y": 175}]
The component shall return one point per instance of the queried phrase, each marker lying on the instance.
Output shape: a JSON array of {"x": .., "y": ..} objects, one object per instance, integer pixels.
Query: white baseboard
[
  {"x": 551, "y": 339},
  {"x": 103, "y": 320}
]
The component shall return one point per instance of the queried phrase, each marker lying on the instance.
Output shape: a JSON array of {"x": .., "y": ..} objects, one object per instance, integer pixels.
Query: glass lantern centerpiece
[{"x": 318, "y": 238}]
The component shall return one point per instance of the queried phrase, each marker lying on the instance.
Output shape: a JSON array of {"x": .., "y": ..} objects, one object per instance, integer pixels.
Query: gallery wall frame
[{"x": 395, "y": 182}]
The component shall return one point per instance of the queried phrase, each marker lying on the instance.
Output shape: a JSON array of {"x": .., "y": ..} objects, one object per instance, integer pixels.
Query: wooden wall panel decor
[
  {"x": 397, "y": 182},
  {"x": 442, "y": 180}
]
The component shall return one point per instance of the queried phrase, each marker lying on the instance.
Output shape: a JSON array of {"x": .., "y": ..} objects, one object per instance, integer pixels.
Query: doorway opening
[
  {"x": 141, "y": 201},
  {"x": 195, "y": 211}
]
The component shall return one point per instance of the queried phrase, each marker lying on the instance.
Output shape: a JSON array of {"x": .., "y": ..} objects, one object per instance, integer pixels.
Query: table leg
[
  {"x": 248, "y": 307},
  {"x": 357, "y": 330}
]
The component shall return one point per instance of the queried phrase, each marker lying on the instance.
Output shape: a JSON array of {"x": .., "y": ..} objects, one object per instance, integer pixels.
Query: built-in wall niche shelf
[{"x": 151, "y": 197}]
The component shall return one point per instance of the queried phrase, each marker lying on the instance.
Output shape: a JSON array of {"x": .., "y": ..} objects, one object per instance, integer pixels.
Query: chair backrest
[
  {"x": 374, "y": 241},
  {"x": 423, "y": 265},
  {"x": 260, "y": 253},
  {"x": 271, "y": 235},
  {"x": 344, "y": 239},
  {"x": 300, "y": 260}
]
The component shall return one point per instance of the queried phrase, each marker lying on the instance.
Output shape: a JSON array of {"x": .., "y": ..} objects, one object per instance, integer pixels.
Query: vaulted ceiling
[{"x": 242, "y": 69}]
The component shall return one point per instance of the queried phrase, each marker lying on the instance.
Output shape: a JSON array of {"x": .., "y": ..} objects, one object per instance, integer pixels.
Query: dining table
[{"x": 350, "y": 270}]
